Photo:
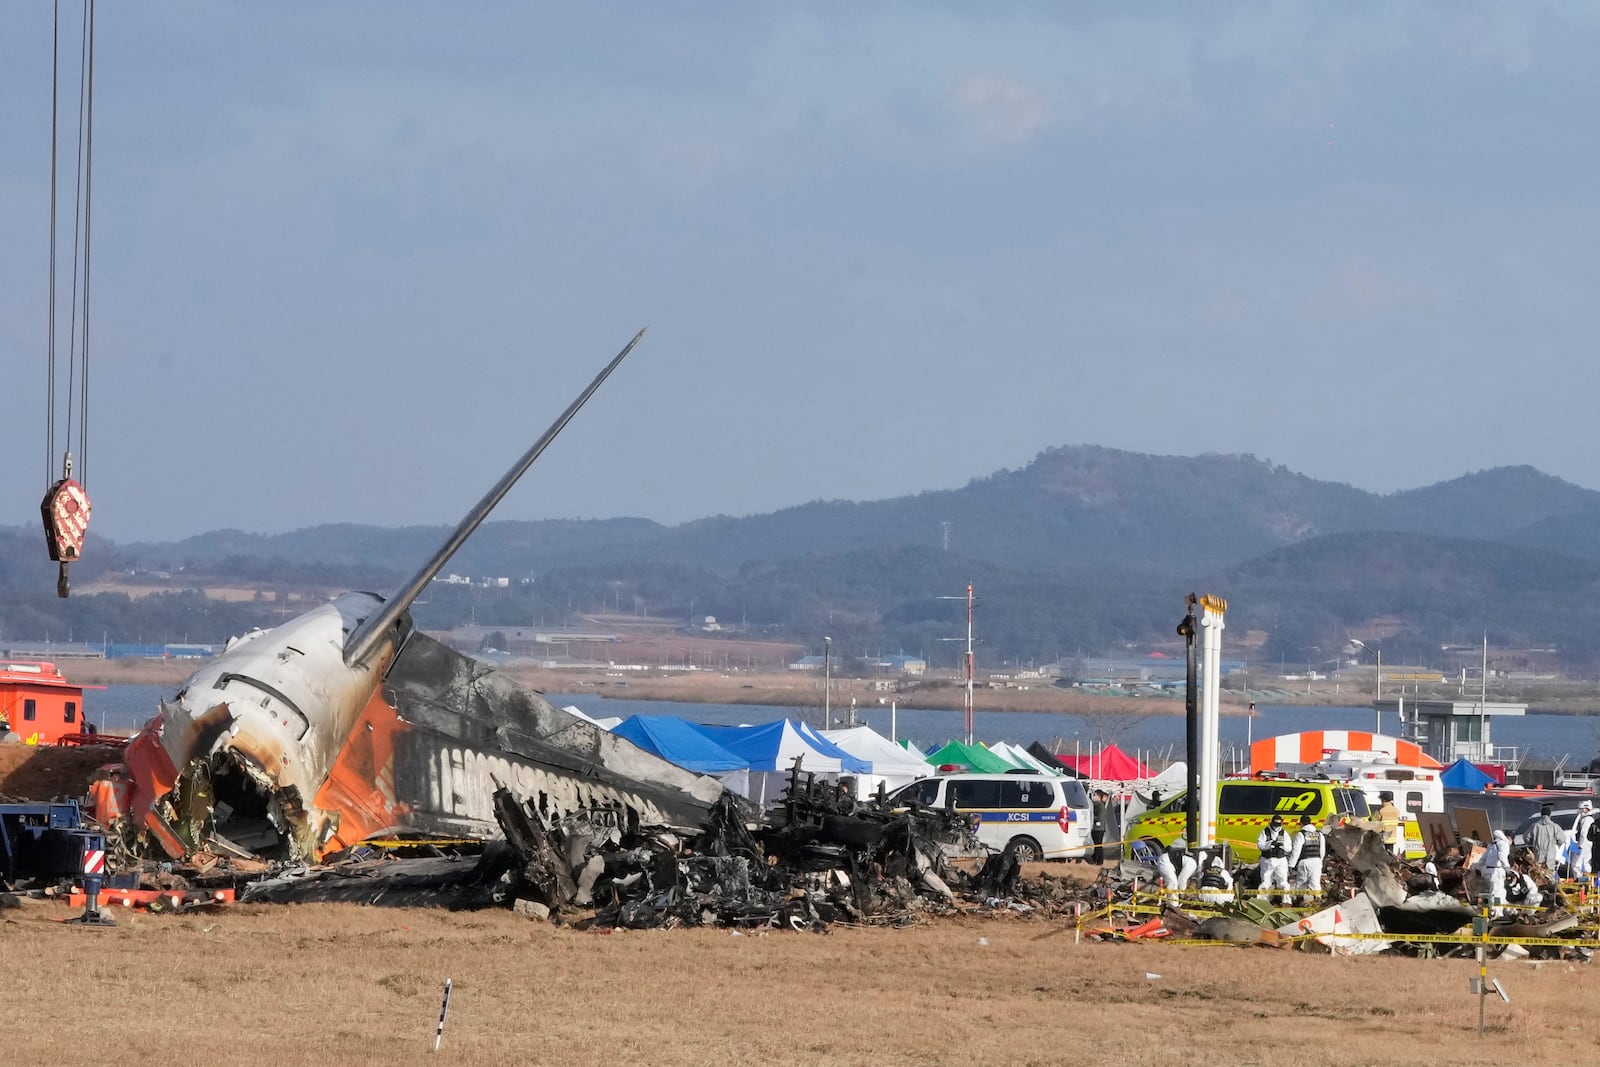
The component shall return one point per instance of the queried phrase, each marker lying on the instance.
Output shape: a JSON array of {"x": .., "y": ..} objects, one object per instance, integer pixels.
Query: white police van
[{"x": 1036, "y": 815}]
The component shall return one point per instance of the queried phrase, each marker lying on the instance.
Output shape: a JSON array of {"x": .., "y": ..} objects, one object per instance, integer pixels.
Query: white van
[
  {"x": 1416, "y": 789},
  {"x": 1036, "y": 815}
]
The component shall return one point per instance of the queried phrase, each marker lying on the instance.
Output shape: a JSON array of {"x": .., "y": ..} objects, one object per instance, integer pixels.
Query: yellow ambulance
[{"x": 1245, "y": 805}]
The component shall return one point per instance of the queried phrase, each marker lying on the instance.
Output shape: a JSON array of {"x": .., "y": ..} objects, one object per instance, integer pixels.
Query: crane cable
[{"x": 66, "y": 508}]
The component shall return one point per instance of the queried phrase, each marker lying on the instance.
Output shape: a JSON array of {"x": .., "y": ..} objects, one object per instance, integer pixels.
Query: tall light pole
[
  {"x": 967, "y": 664},
  {"x": 1377, "y": 683},
  {"x": 827, "y": 684}
]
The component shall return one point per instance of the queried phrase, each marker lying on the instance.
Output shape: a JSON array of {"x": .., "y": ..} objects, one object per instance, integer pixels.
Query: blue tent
[
  {"x": 678, "y": 741},
  {"x": 771, "y": 749},
  {"x": 773, "y": 746},
  {"x": 1463, "y": 775}
]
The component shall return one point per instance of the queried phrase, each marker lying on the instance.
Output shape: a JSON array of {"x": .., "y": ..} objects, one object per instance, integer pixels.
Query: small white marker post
[{"x": 443, "y": 1010}]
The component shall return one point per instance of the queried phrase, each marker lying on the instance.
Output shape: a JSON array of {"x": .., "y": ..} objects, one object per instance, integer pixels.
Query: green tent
[{"x": 978, "y": 758}]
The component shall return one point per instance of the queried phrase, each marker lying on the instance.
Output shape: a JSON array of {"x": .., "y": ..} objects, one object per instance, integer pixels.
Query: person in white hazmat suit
[
  {"x": 1494, "y": 865},
  {"x": 1521, "y": 890},
  {"x": 1216, "y": 884},
  {"x": 1305, "y": 859},
  {"x": 1547, "y": 840},
  {"x": 1432, "y": 872},
  {"x": 1273, "y": 841},
  {"x": 1175, "y": 866},
  {"x": 1580, "y": 853}
]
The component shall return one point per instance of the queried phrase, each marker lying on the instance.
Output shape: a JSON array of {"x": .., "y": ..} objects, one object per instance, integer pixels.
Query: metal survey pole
[
  {"x": 1483, "y": 962},
  {"x": 438, "y": 1035}
]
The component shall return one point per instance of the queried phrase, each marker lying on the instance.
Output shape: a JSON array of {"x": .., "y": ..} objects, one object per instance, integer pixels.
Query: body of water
[{"x": 1540, "y": 737}]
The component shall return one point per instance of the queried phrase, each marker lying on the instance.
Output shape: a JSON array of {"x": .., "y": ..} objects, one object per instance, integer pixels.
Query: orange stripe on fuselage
[{"x": 360, "y": 785}]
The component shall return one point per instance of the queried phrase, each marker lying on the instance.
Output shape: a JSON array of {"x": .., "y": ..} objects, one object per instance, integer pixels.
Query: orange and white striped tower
[{"x": 1212, "y": 612}]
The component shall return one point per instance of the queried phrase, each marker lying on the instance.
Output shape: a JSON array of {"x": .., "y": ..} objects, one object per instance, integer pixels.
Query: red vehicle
[{"x": 38, "y": 704}]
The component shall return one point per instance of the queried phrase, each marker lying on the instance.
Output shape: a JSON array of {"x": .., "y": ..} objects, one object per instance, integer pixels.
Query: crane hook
[{"x": 65, "y": 510}]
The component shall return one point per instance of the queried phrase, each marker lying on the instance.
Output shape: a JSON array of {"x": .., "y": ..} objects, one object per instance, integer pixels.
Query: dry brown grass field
[
  {"x": 46, "y": 772},
  {"x": 322, "y": 984}
]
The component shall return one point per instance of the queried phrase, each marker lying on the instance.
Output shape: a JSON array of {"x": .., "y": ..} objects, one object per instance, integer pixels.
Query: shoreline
[
  {"x": 784, "y": 690},
  {"x": 789, "y": 690}
]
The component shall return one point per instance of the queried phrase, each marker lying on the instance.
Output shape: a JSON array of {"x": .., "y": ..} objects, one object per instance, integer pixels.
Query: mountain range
[{"x": 1082, "y": 549}]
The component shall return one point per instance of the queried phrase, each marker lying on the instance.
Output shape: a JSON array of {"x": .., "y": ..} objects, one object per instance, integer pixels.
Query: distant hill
[
  {"x": 1575, "y": 533},
  {"x": 1082, "y": 548},
  {"x": 1079, "y": 506},
  {"x": 400, "y": 550},
  {"x": 1489, "y": 504},
  {"x": 1447, "y": 590}
]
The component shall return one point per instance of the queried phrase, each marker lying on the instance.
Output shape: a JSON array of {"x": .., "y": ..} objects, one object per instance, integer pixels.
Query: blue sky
[{"x": 351, "y": 259}]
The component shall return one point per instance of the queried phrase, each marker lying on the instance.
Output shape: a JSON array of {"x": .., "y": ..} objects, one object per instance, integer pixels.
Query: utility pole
[
  {"x": 1187, "y": 629},
  {"x": 1483, "y": 699},
  {"x": 827, "y": 684},
  {"x": 967, "y": 666},
  {"x": 1377, "y": 683},
  {"x": 968, "y": 705}
]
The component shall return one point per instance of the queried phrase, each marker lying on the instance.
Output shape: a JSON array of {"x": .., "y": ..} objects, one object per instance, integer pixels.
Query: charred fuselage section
[
  {"x": 343, "y": 723},
  {"x": 281, "y": 751}
]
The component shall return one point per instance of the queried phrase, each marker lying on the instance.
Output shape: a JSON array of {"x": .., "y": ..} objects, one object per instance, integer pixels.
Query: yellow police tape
[
  {"x": 1135, "y": 908},
  {"x": 1190, "y": 897},
  {"x": 1438, "y": 939},
  {"x": 1589, "y": 907},
  {"x": 1447, "y": 939},
  {"x": 418, "y": 842}
]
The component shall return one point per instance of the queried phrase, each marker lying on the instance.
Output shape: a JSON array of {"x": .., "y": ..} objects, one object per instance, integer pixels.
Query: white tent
[
  {"x": 1005, "y": 752},
  {"x": 1176, "y": 776},
  {"x": 1137, "y": 796},
  {"x": 608, "y": 723},
  {"x": 1023, "y": 758},
  {"x": 892, "y": 766},
  {"x": 771, "y": 749}
]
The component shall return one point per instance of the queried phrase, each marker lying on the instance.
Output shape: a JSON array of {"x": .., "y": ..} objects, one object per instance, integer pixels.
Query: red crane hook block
[{"x": 66, "y": 519}]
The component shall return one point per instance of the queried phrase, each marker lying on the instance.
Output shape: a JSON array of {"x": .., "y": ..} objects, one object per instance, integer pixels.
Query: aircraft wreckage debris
[
  {"x": 820, "y": 858},
  {"x": 823, "y": 857}
]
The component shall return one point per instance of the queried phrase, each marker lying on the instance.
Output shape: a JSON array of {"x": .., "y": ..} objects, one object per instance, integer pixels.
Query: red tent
[{"x": 1110, "y": 764}]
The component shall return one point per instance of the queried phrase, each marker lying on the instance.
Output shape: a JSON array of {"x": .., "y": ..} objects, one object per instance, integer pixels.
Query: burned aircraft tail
[
  {"x": 370, "y": 632},
  {"x": 341, "y": 723}
]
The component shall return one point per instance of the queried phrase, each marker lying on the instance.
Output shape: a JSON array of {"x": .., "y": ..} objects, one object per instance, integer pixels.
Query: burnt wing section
[{"x": 473, "y": 728}]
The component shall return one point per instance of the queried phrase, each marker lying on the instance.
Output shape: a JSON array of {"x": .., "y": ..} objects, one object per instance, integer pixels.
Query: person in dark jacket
[{"x": 1097, "y": 825}]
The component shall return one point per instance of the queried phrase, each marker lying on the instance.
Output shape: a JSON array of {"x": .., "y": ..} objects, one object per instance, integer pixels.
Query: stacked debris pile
[{"x": 823, "y": 857}]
